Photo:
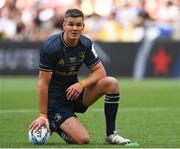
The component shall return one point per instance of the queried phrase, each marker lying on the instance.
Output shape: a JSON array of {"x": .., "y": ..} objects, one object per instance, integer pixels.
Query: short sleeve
[
  {"x": 91, "y": 57},
  {"x": 47, "y": 60}
]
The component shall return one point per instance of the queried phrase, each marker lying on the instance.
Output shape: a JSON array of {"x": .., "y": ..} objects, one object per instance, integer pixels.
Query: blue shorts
[{"x": 60, "y": 109}]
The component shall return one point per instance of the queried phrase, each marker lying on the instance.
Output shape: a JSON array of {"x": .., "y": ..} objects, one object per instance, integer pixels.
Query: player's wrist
[
  {"x": 82, "y": 84},
  {"x": 43, "y": 115}
]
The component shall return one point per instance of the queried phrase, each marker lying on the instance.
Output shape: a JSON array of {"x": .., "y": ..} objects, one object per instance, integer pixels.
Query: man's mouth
[{"x": 74, "y": 33}]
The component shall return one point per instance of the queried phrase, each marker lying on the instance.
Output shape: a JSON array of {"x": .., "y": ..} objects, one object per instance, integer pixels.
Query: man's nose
[{"x": 74, "y": 27}]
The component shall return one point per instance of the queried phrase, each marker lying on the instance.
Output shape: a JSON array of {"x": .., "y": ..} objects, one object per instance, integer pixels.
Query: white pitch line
[
  {"x": 17, "y": 110},
  {"x": 153, "y": 109}
]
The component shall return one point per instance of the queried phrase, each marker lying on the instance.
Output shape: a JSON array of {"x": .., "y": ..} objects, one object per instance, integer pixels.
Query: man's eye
[
  {"x": 78, "y": 25},
  {"x": 71, "y": 24}
]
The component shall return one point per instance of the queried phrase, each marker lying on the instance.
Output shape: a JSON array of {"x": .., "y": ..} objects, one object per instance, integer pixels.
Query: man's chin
[{"x": 75, "y": 37}]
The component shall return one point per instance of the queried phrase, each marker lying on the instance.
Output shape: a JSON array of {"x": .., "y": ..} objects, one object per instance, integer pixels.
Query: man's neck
[{"x": 69, "y": 42}]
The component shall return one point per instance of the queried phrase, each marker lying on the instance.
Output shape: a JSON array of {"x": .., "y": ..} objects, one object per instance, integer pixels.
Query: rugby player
[{"x": 61, "y": 94}]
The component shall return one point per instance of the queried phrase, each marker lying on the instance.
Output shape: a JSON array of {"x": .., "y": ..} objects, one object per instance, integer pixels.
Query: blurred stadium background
[
  {"x": 134, "y": 38},
  {"x": 138, "y": 42},
  {"x": 113, "y": 20}
]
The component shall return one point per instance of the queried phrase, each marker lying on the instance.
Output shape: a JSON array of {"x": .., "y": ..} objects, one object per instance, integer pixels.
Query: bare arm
[
  {"x": 96, "y": 72},
  {"x": 43, "y": 83}
]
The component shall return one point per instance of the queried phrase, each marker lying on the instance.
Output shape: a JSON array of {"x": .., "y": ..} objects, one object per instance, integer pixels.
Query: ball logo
[{"x": 39, "y": 132}]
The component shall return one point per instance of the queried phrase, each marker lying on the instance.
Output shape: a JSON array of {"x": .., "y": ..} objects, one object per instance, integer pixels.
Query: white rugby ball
[{"x": 41, "y": 136}]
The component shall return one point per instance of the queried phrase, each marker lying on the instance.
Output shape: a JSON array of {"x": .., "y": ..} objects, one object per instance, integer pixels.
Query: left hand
[{"x": 74, "y": 91}]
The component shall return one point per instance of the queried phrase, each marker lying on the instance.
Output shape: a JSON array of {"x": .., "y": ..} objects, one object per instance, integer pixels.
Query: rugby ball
[{"x": 41, "y": 136}]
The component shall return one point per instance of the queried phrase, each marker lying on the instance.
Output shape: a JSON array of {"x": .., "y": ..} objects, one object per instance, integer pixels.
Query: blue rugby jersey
[{"x": 64, "y": 61}]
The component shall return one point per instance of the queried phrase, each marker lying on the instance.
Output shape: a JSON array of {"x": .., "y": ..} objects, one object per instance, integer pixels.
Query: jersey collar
[{"x": 61, "y": 36}]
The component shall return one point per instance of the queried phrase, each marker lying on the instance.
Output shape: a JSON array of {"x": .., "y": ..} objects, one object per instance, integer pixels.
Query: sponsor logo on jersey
[
  {"x": 71, "y": 73},
  {"x": 82, "y": 56}
]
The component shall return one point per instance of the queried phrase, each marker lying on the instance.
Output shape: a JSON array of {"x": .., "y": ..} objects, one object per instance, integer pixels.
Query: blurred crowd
[{"x": 106, "y": 20}]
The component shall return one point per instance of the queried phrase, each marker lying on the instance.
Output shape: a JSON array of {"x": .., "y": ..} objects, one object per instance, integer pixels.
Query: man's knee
[
  {"x": 74, "y": 131},
  {"x": 111, "y": 84},
  {"x": 113, "y": 81},
  {"x": 82, "y": 139},
  {"x": 76, "y": 139}
]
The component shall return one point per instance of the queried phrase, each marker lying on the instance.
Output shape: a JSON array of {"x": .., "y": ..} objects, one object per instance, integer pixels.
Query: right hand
[
  {"x": 74, "y": 91},
  {"x": 40, "y": 121}
]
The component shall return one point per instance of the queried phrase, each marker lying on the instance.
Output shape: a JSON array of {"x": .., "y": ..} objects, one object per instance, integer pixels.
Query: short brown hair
[{"x": 73, "y": 13}]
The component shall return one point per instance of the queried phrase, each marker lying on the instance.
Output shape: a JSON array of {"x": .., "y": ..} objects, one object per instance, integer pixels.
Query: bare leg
[
  {"x": 75, "y": 131},
  {"x": 109, "y": 87}
]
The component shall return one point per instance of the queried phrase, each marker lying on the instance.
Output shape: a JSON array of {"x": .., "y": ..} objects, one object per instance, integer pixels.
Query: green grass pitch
[{"x": 149, "y": 113}]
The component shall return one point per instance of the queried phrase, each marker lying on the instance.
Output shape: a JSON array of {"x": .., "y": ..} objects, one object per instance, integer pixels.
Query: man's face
[{"x": 73, "y": 27}]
